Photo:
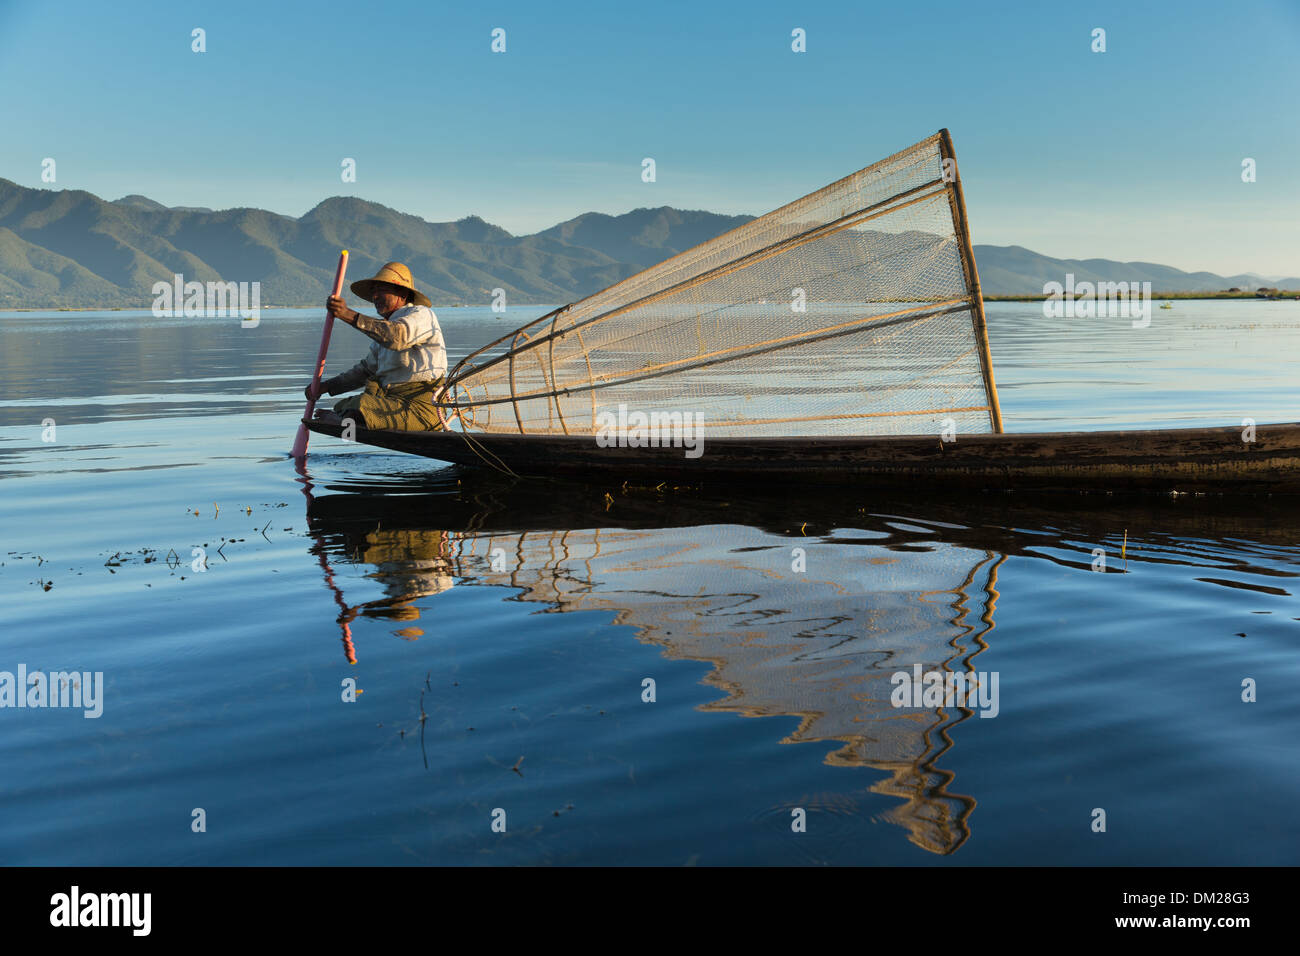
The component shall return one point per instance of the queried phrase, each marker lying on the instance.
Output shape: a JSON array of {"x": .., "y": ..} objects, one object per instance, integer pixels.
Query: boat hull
[{"x": 1164, "y": 460}]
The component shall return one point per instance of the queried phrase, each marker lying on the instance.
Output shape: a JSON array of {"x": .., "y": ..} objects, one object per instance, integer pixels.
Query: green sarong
[{"x": 404, "y": 407}]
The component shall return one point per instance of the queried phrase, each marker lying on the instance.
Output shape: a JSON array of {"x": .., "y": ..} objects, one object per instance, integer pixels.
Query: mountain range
[{"x": 71, "y": 249}]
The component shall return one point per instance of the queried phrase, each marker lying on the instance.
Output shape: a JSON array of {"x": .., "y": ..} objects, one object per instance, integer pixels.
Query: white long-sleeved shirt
[{"x": 413, "y": 350}]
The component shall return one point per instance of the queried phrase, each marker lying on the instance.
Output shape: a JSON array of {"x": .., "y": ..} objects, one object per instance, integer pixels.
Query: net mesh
[{"x": 852, "y": 311}]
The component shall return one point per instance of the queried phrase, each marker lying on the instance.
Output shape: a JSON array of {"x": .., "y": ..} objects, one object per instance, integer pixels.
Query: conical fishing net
[{"x": 852, "y": 311}]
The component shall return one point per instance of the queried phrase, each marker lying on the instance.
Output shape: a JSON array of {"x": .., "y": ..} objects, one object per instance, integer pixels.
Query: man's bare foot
[{"x": 328, "y": 416}]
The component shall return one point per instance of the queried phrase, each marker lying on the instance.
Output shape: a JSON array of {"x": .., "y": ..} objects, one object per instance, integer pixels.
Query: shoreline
[
  {"x": 264, "y": 308},
  {"x": 1281, "y": 296}
]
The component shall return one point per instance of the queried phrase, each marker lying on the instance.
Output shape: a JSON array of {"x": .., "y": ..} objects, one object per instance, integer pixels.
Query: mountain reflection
[{"x": 801, "y": 609}]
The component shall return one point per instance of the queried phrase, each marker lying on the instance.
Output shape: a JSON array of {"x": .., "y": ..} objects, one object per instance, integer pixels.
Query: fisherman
[{"x": 406, "y": 365}]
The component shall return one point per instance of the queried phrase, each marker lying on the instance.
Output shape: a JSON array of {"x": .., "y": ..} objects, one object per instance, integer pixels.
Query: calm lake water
[{"x": 501, "y": 637}]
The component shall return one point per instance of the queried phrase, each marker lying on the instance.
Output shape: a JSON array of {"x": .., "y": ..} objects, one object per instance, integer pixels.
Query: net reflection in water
[{"x": 819, "y": 646}]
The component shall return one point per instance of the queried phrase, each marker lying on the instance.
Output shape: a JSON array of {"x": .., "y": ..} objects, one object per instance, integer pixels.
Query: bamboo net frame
[{"x": 854, "y": 310}]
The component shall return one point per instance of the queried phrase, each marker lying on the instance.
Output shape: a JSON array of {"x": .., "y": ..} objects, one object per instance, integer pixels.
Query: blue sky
[{"x": 1134, "y": 153}]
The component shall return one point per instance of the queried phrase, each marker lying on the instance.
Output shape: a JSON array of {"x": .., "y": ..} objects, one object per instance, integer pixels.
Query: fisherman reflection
[{"x": 409, "y": 564}]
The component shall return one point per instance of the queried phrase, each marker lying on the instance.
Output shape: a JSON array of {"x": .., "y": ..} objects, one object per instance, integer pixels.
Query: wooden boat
[
  {"x": 1165, "y": 460},
  {"x": 868, "y": 287}
]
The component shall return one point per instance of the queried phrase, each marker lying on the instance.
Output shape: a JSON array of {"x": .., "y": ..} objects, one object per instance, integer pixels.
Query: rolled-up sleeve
[
  {"x": 356, "y": 376},
  {"x": 412, "y": 327}
]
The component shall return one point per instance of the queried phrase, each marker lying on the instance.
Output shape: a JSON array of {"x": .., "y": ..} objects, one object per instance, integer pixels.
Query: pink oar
[{"x": 300, "y": 443}]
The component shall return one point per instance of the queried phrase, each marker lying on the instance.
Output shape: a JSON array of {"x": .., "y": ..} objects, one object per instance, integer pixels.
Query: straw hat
[
  {"x": 394, "y": 273},
  {"x": 402, "y": 611}
]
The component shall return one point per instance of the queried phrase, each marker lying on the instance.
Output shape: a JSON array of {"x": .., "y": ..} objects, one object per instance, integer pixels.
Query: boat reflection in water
[{"x": 806, "y": 620}]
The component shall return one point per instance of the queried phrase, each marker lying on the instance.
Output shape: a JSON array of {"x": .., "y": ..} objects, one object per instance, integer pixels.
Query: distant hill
[
  {"x": 144, "y": 202},
  {"x": 140, "y": 202},
  {"x": 1014, "y": 270},
  {"x": 71, "y": 249},
  {"x": 644, "y": 237}
]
